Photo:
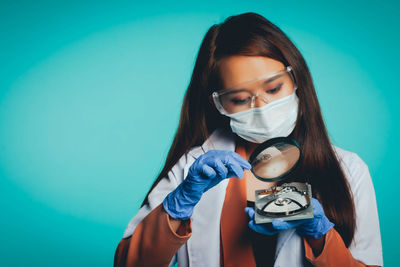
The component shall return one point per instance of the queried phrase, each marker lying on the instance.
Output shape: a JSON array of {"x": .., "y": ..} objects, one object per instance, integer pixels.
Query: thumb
[{"x": 250, "y": 212}]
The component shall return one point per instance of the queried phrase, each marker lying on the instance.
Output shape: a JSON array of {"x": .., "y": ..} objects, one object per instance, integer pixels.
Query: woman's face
[{"x": 236, "y": 70}]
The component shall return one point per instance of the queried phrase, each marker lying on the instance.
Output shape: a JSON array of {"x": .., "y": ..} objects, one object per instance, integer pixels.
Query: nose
[{"x": 259, "y": 102}]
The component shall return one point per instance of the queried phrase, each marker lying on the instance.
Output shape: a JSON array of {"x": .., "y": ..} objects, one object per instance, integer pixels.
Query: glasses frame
[{"x": 216, "y": 94}]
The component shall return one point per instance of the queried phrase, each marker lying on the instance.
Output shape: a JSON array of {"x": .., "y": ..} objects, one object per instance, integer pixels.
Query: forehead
[{"x": 238, "y": 69}]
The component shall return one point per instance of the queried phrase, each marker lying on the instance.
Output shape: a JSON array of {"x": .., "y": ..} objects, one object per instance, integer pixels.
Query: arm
[
  {"x": 145, "y": 219},
  {"x": 333, "y": 251},
  {"x": 366, "y": 248},
  {"x": 154, "y": 242}
]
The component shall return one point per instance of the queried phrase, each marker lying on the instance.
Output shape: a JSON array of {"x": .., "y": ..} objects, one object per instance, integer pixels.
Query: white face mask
[{"x": 271, "y": 120}]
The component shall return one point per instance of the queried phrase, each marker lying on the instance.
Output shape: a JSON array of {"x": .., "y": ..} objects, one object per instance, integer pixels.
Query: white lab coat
[{"x": 203, "y": 247}]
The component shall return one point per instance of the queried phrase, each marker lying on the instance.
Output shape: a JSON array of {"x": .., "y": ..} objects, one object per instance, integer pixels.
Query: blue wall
[{"x": 90, "y": 97}]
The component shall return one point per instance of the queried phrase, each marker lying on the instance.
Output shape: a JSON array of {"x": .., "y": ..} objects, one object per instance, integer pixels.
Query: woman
[{"x": 250, "y": 84}]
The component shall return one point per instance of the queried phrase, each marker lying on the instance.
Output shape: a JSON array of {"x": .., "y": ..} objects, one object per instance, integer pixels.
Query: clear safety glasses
[{"x": 269, "y": 87}]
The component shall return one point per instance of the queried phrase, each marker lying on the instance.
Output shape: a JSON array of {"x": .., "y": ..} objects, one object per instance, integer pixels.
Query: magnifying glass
[{"x": 276, "y": 160}]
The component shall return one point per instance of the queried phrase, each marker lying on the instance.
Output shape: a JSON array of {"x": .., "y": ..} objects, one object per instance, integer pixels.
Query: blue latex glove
[
  {"x": 314, "y": 227},
  {"x": 207, "y": 171}
]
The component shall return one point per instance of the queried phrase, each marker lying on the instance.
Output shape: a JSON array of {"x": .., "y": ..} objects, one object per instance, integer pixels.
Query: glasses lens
[
  {"x": 275, "y": 88},
  {"x": 235, "y": 101},
  {"x": 268, "y": 90}
]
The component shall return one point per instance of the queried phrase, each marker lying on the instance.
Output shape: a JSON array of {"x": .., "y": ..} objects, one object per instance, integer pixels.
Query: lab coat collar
[{"x": 220, "y": 139}]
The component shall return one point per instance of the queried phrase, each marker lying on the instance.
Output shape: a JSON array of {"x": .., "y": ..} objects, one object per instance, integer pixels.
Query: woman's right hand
[{"x": 207, "y": 171}]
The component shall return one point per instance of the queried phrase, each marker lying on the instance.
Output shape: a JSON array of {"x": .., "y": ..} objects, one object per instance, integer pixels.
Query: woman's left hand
[{"x": 315, "y": 227}]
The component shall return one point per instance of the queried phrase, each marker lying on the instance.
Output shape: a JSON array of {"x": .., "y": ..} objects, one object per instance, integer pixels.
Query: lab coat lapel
[
  {"x": 289, "y": 248},
  {"x": 204, "y": 244},
  {"x": 283, "y": 237}
]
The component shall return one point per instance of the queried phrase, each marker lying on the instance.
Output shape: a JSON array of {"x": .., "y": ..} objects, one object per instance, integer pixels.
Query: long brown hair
[{"x": 250, "y": 34}]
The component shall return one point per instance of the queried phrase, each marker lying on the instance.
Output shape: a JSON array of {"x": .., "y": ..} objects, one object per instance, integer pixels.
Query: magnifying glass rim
[{"x": 270, "y": 143}]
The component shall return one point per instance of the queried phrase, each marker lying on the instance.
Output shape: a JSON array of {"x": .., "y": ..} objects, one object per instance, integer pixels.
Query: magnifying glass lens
[{"x": 276, "y": 161}]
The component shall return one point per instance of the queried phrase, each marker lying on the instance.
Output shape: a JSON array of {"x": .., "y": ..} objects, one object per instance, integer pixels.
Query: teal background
[{"x": 90, "y": 94}]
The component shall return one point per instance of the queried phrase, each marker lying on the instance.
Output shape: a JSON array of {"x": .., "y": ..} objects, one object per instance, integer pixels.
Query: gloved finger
[
  {"x": 219, "y": 167},
  {"x": 250, "y": 212},
  {"x": 228, "y": 156},
  {"x": 234, "y": 169},
  {"x": 208, "y": 171},
  {"x": 284, "y": 225},
  {"x": 262, "y": 228},
  {"x": 243, "y": 163},
  {"x": 317, "y": 208}
]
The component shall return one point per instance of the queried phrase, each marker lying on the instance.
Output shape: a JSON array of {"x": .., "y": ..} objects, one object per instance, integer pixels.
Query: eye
[
  {"x": 274, "y": 90},
  {"x": 238, "y": 101}
]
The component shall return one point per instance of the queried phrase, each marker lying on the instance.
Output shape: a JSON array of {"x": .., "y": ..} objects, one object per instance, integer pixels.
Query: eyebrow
[{"x": 273, "y": 78}]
